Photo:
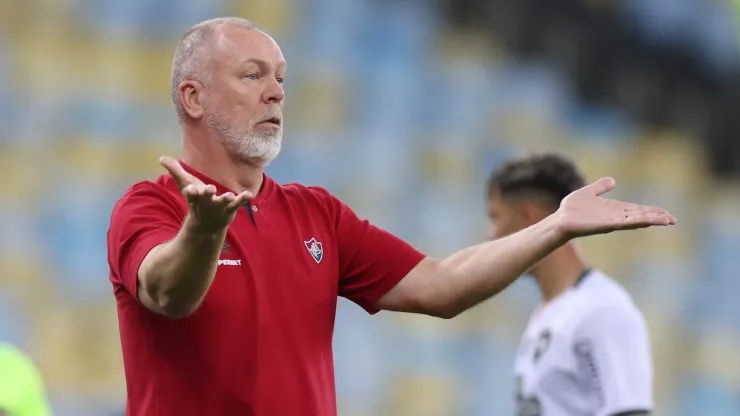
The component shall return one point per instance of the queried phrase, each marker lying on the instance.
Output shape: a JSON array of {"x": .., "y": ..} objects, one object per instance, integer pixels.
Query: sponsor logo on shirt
[
  {"x": 229, "y": 262},
  {"x": 315, "y": 249}
]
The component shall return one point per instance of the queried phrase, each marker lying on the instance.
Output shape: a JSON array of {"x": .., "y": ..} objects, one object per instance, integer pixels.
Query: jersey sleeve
[
  {"x": 612, "y": 348},
  {"x": 371, "y": 260},
  {"x": 145, "y": 217}
]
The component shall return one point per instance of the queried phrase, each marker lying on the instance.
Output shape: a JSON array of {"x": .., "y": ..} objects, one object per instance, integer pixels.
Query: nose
[{"x": 274, "y": 93}]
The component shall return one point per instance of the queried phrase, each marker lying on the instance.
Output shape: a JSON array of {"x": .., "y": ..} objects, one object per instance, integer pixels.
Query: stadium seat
[{"x": 423, "y": 394}]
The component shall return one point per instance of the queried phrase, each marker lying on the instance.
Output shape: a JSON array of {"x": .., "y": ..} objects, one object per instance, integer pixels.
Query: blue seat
[
  {"x": 702, "y": 396},
  {"x": 74, "y": 232},
  {"x": 13, "y": 323}
]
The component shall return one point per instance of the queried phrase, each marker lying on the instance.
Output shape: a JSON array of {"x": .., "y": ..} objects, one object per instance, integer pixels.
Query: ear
[
  {"x": 531, "y": 213},
  {"x": 191, "y": 98}
]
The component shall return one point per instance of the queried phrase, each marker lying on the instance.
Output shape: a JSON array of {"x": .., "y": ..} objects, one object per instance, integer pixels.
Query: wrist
[
  {"x": 553, "y": 232},
  {"x": 196, "y": 229}
]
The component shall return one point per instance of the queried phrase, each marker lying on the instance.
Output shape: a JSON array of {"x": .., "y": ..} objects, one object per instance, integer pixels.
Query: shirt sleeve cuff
[
  {"x": 131, "y": 274},
  {"x": 369, "y": 301}
]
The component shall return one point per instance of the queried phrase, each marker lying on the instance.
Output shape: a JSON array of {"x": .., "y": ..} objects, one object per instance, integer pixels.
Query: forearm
[
  {"x": 473, "y": 275},
  {"x": 176, "y": 275}
]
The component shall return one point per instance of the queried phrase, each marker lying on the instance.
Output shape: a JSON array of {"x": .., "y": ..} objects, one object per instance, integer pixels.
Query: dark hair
[{"x": 548, "y": 175}]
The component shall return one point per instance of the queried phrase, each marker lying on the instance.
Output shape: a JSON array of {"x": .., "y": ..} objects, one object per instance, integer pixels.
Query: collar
[
  {"x": 268, "y": 185},
  {"x": 587, "y": 271}
]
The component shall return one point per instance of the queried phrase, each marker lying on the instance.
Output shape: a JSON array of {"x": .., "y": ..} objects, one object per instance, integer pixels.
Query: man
[
  {"x": 227, "y": 282},
  {"x": 22, "y": 391},
  {"x": 586, "y": 350}
]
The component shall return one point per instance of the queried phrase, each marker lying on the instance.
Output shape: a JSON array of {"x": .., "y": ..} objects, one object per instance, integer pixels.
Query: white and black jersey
[{"x": 586, "y": 353}]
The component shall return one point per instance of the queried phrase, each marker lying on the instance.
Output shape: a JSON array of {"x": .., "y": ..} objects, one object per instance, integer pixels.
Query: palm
[
  {"x": 584, "y": 212},
  {"x": 210, "y": 211}
]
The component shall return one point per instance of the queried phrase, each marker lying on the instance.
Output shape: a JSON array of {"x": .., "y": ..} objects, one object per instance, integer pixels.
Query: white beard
[{"x": 256, "y": 147}]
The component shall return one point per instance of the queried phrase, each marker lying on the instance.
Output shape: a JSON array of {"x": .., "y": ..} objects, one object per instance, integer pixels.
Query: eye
[
  {"x": 252, "y": 76},
  {"x": 280, "y": 80}
]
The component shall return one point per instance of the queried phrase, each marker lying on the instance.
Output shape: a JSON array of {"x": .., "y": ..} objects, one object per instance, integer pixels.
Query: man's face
[
  {"x": 243, "y": 104},
  {"x": 506, "y": 216}
]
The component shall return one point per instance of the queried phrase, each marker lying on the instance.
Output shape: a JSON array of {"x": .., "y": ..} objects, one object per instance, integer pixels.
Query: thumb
[
  {"x": 601, "y": 186},
  {"x": 182, "y": 177}
]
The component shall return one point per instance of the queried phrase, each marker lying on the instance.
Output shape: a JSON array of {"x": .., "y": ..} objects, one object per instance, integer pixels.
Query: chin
[
  {"x": 261, "y": 157},
  {"x": 258, "y": 150}
]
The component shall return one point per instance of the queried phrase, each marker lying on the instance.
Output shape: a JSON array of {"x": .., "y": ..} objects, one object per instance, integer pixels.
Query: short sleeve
[
  {"x": 371, "y": 260},
  {"x": 612, "y": 348},
  {"x": 145, "y": 217}
]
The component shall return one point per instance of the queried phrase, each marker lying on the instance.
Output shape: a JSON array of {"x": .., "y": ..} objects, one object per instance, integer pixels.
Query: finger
[
  {"x": 194, "y": 191},
  {"x": 648, "y": 210},
  {"x": 224, "y": 199},
  {"x": 179, "y": 174},
  {"x": 240, "y": 200},
  {"x": 601, "y": 186},
  {"x": 639, "y": 210},
  {"x": 644, "y": 221}
]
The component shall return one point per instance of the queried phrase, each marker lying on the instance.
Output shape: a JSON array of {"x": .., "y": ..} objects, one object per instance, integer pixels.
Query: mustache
[{"x": 271, "y": 114}]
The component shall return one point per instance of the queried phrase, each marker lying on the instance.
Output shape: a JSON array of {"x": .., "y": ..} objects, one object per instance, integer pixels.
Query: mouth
[{"x": 272, "y": 120}]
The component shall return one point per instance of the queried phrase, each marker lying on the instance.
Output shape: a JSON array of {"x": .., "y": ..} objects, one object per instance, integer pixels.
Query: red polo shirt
[{"x": 261, "y": 341}]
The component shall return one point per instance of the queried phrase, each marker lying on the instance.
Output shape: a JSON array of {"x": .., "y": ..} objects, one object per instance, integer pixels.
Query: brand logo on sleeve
[{"x": 315, "y": 249}]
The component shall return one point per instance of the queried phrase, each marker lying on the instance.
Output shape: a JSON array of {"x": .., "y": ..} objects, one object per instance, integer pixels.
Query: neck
[
  {"x": 210, "y": 157},
  {"x": 559, "y": 271}
]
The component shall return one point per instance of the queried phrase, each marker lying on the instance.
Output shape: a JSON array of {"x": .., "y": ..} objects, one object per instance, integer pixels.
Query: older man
[{"x": 227, "y": 282}]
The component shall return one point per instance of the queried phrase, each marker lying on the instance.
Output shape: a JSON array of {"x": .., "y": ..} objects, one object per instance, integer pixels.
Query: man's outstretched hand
[
  {"x": 584, "y": 212},
  {"x": 209, "y": 212}
]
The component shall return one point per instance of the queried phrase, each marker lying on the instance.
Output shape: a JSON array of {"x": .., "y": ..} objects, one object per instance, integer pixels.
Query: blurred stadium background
[{"x": 401, "y": 108}]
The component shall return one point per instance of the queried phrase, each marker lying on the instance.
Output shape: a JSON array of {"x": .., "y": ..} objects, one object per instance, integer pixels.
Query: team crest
[
  {"x": 315, "y": 249},
  {"x": 543, "y": 343}
]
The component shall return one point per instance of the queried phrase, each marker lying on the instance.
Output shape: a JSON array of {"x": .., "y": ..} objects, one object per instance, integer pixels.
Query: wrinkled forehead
[{"x": 237, "y": 45}]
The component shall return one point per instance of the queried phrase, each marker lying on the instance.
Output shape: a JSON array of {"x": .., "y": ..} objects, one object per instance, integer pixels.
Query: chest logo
[{"x": 315, "y": 249}]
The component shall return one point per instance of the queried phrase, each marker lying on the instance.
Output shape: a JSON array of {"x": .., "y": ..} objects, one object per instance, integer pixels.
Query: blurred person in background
[
  {"x": 227, "y": 282},
  {"x": 22, "y": 391},
  {"x": 586, "y": 349}
]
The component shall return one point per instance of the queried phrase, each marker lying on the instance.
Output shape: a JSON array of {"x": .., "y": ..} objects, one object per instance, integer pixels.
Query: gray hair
[{"x": 189, "y": 62}]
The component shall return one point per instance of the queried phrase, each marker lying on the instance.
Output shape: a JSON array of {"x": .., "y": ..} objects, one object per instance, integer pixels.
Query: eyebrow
[{"x": 262, "y": 63}]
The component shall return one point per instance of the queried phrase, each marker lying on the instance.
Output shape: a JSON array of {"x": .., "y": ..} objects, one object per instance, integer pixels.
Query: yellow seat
[
  {"x": 275, "y": 17},
  {"x": 113, "y": 160},
  {"x": 669, "y": 160},
  {"x": 24, "y": 275},
  {"x": 526, "y": 129},
  {"x": 441, "y": 166},
  {"x": 130, "y": 69},
  {"x": 78, "y": 348},
  {"x": 668, "y": 350},
  {"x": 321, "y": 101},
  {"x": 424, "y": 395},
  {"x": 28, "y": 176},
  {"x": 723, "y": 199},
  {"x": 717, "y": 357},
  {"x": 142, "y": 161}
]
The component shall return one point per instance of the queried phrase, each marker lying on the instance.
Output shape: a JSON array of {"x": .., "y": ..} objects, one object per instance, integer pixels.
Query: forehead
[{"x": 238, "y": 45}]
